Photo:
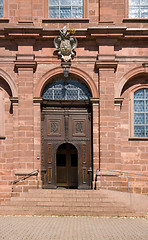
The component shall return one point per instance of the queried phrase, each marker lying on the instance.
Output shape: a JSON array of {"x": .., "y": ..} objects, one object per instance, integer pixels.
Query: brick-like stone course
[{"x": 111, "y": 61}]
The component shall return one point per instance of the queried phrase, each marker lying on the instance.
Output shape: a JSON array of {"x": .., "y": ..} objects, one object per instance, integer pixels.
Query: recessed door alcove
[{"x": 66, "y": 134}]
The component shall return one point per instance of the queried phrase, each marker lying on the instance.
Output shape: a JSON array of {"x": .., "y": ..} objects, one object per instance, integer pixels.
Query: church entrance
[
  {"x": 67, "y": 166},
  {"x": 66, "y": 136}
]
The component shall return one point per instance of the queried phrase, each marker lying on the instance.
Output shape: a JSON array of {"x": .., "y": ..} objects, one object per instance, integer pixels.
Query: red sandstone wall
[
  {"x": 22, "y": 143},
  {"x": 96, "y": 12}
]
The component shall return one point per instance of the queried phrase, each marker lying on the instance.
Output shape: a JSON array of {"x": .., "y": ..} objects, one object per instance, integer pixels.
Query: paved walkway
[{"x": 72, "y": 228}]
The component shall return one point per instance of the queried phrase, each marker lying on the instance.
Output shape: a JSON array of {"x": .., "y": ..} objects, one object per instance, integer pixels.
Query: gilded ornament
[{"x": 66, "y": 43}]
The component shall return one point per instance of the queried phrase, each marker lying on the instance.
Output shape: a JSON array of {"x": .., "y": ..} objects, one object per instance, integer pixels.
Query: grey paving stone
[{"x": 72, "y": 228}]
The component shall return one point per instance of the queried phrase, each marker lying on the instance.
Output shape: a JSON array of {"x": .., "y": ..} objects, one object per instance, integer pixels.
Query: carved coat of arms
[{"x": 66, "y": 44}]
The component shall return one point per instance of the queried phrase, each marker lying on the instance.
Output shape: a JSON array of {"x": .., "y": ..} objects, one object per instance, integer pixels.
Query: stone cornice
[
  {"x": 37, "y": 100},
  {"x": 25, "y": 61},
  {"x": 118, "y": 101},
  {"x": 94, "y": 100},
  {"x": 106, "y": 64},
  {"x": 108, "y": 32},
  {"x": 26, "y": 64},
  {"x": 14, "y": 99}
]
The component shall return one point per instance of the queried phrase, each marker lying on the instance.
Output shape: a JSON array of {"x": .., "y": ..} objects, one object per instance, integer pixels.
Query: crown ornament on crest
[{"x": 66, "y": 43}]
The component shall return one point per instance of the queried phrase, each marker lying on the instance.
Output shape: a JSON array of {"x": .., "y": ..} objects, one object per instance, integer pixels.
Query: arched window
[
  {"x": 71, "y": 89},
  {"x": 1, "y": 113},
  {"x": 141, "y": 113}
]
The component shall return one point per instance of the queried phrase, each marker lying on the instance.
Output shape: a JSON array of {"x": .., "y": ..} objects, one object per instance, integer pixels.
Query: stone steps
[{"x": 64, "y": 202}]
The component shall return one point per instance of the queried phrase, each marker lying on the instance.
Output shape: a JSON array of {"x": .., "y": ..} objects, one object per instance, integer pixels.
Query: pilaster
[
  {"x": 25, "y": 67},
  {"x": 106, "y": 66}
]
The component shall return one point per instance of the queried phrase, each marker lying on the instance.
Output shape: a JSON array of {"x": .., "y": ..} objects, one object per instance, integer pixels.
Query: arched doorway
[
  {"x": 67, "y": 166},
  {"x": 66, "y": 134}
]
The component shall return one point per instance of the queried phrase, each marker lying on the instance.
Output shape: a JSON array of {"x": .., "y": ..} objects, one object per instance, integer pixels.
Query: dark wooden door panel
[{"x": 66, "y": 125}]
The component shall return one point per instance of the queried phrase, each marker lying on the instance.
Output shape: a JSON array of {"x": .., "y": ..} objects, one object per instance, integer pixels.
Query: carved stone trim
[
  {"x": 118, "y": 101},
  {"x": 14, "y": 99},
  {"x": 26, "y": 64},
  {"x": 95, "y": 100},
  {"x": 37, "y": 100},
  {"x": 106, "y": 64},
  {"x": 25, "y": 57},
  {"x": 106, "y": 57}
]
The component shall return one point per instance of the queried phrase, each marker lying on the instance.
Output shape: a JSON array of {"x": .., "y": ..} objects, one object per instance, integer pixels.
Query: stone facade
[{"x": 111, "y": 59}]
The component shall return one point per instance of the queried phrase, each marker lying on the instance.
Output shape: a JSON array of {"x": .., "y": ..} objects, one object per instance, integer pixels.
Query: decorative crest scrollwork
[{"x": 66, "y": 44}]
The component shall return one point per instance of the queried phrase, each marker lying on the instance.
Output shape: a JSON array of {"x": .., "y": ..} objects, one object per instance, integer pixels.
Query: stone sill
[
  {"x": 106, "y": 22},
  {"x": 138, "y": 138},
  {"x": 25, "y": 22},
  {"x": 135, "y": 20},
  {"x": 4, "y": 20},
  {"x": 2, "y": 137},
  {"x": 65, "y": 20}
]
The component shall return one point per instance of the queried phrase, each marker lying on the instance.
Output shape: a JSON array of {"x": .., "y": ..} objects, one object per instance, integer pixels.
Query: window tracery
[
  {"x": 141, "y": 113},
  {"x": 71, "y": 89}
]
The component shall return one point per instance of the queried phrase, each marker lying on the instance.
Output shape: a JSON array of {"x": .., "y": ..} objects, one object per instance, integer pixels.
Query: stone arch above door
[{"x": 78, "y": 73}]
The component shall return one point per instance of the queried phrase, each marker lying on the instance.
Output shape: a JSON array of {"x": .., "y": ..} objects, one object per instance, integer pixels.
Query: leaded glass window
[
  {"x": 138, "y": 8},
  {"x": 1, "y": 8},
  {"x": 71, "y": 89},
  {"x": 141, "y": 113},
  {"x": 65, "y": 8}
]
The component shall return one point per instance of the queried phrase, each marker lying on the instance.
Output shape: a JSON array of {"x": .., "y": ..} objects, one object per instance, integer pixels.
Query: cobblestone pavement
[{"x": 72, "y": 228}]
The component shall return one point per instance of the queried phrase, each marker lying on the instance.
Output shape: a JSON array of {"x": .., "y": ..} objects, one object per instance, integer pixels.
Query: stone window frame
[
  {"x": 132, "y": 136},
  {"x": 2, "y": 113},
  {"x": 85, "y": 11}
]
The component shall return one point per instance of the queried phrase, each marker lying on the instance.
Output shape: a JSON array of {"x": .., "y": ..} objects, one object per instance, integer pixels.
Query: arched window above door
[{"x": 69, "y": 89}]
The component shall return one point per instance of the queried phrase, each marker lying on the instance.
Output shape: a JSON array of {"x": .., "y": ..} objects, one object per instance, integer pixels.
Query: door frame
[{"x": 83, "y": 170}]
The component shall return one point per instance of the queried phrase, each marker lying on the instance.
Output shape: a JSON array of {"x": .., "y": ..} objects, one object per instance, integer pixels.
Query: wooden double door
[{"x": 66, "y": 145}]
